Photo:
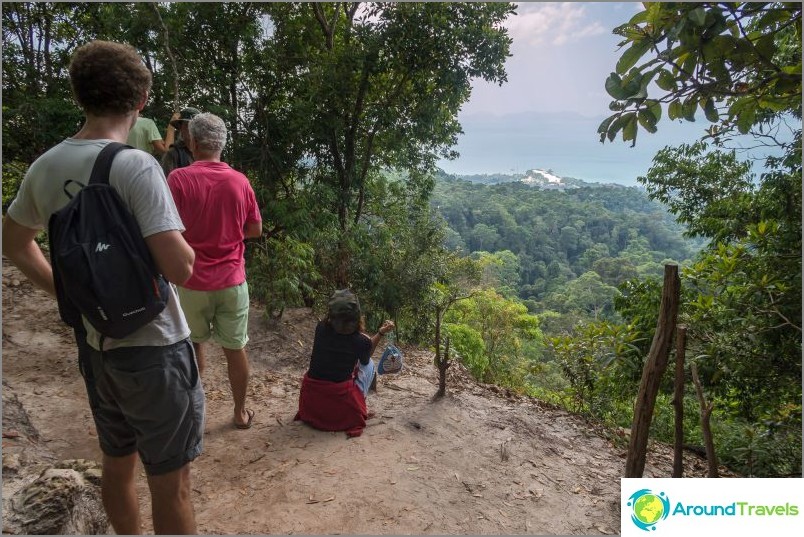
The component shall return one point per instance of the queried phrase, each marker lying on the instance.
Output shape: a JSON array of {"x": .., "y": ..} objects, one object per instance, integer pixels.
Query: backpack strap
[
  {"x": 67, "y": 183},
  {"x": 103, "y": 163}
]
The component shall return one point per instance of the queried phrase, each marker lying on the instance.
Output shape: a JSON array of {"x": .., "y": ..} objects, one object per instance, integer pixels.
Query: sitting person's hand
[{"x": 386, "y": 327}]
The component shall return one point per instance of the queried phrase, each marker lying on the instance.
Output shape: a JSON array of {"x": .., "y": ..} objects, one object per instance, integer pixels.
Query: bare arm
[
  {"x": 21, "y": 248},
  {"x": 159, "y": 147},
  {"x": 173, "y": 256},
  {"x": 386, "y": 327},
  {"x": 170, "y": 136},
  {"x": 252, "y": 230}
]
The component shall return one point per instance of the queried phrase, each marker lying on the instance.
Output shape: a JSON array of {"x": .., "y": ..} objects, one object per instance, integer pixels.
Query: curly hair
[
  {"x": 209, "y": 132},
  {"x": 108, "y": 78}
]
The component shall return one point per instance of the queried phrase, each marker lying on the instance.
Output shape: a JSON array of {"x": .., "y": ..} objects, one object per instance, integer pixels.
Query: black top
[
  {"x": 177, "y": 156},
  {"x": 335, "y": 355}
]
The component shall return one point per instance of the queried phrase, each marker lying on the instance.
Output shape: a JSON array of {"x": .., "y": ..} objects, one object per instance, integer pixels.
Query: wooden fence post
[
  {"x": 655, "y": 366},
  {"x": 678, "y": 402}
]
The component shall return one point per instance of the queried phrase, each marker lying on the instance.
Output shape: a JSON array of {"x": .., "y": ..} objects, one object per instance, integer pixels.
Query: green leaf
[
  {"x": 604, "y": 125},
  {"x": 653, "y": 12},
  {"x": 655, "y": 108},
  {"x": 647, "y": 120},
  {"x": 690, "y": 61},
  {"x": 632, "y": 55},
  {"x": 773, "y": 104},
  {"x": 688, "y": 109},
  {"x": 632, "y": 85},
  {"x": 745, "y": 120},
  {"x": 771, "y": 18},
  {"x": 697, "y": 16},
  {"x": 675, "y": 110},
  {"x": 630, "y": 129},
  {"x": 614, "y": 87},
  {"x": 630, "y": 32},
  {"x": 788, "y": 86},
  {"x": 639, "y": 18},
  {"x": 666, "y": 81},
  {"x": 718, "y": 47},
  {"x": 766, "y": 46},
  {"x": 676, "y": 29},
  {"x": 708, "y": 105},
  {"x": 680, "y": 59},
  {"x": 616, "y": 125}
]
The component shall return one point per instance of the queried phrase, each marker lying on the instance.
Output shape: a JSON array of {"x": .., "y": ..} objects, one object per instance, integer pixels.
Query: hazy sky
[
  {"x": 562, "y": 53},
  {"x": 546, "y": 115}
]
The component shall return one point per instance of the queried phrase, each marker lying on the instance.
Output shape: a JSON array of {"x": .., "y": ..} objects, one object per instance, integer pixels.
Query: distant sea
[{"x": 565, "y": 143}]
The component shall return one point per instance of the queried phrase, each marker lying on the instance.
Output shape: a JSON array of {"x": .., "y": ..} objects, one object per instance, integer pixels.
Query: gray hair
[{"x": 209, "y": 132}]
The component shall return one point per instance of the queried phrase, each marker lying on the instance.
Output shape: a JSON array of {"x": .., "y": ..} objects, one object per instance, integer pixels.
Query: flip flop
[{"x": 246, "y": 425}]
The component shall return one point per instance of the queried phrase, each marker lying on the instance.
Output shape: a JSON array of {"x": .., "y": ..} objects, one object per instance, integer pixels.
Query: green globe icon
[{"x": 648, "y": 509}]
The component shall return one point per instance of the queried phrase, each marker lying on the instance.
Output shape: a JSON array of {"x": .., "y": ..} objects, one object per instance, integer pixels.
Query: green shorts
[{"x": 222, "y": 314}]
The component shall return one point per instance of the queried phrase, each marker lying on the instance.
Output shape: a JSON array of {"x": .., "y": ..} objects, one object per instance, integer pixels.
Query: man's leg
[
  {"x": 199, "y": 357},
  {"x": 120, "y": 494},
  {"x": 118, "y": 481},
  {"x": 198, "y": 311},
  {"x": 171, "y": 507},
  {"x": 237, "y": 362}
]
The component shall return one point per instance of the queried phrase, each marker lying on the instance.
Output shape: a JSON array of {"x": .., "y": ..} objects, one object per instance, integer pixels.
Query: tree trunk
[
  {"x": 706, "y": 431},
  {"x": 652, "y": 373},
  {"x": 342, "y": 261},
  {"x": 678, "y": 402}
]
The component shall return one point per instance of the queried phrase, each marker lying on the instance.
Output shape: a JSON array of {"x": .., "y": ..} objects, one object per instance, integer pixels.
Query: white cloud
[{"x": 552, "y": 23}]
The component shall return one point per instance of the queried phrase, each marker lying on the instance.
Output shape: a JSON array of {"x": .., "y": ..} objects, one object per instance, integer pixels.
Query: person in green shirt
[{"x": 145, "y": 135}]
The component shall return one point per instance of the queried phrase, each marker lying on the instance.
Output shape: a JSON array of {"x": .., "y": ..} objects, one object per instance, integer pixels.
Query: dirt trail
[{"x": 475, "y": 462}]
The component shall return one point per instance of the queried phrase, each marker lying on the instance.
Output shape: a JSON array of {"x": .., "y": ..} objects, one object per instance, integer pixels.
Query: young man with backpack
[{"x": 143, "y": 388}]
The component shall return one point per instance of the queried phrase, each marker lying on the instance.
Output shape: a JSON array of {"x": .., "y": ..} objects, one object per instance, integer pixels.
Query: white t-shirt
[{"x": 139, "y": 180}]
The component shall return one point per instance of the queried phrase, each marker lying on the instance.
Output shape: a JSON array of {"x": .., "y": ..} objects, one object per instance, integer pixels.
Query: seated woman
[{"x": 334, "y": 389}]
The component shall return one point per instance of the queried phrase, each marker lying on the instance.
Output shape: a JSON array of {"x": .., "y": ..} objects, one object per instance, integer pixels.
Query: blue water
[{"x": 567, "y": 144}]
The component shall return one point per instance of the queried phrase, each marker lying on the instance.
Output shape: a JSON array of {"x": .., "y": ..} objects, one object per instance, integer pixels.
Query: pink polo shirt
[{"x": 215, "y": 202}]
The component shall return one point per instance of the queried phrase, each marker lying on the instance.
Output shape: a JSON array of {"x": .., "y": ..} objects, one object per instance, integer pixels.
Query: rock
[
  {"x": 11, "y": 462},
  {"x": 64, "y": 500},
  {"x": 40, "y": 495}
]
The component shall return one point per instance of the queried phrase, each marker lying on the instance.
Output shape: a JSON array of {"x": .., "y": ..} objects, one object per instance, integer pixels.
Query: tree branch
[
  {"x": 169, "y": 52},
  {"x": 329, "y": 31}
]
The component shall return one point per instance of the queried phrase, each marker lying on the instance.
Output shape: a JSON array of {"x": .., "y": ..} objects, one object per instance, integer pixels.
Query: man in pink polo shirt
[{"x": 219, "y": 210}]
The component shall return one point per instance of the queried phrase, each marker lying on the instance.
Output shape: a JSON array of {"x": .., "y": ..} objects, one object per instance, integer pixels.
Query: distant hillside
[{"x": 536, "y": 177}]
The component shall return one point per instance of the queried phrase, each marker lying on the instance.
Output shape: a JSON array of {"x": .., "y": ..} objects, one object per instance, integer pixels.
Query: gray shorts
[{"x": 147, "y": 400}]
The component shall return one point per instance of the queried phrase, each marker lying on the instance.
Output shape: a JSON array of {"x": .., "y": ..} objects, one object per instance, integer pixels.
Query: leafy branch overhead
[{"x": 735, "y": 62}]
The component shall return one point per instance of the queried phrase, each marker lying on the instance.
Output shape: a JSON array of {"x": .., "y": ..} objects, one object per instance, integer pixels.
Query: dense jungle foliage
[{"x": 338, "y": 112}]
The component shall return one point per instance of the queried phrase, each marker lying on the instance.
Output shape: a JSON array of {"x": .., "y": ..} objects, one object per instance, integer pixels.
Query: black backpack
[{"x": 102, "y": 267}]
